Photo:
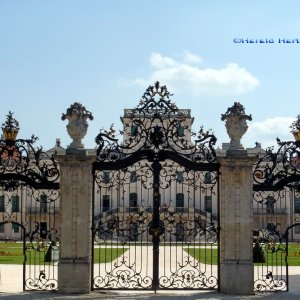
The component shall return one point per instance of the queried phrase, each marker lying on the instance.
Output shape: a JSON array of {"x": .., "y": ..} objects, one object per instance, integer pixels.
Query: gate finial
[
  {"x": 10, "y": 127},
  {"x": 77, "y": 115},
  {"x": 236, "y": 124},
  {"x": 295, "y": 128}
]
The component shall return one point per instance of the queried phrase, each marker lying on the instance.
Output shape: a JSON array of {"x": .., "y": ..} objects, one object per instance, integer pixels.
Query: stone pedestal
[
  {"x": 236, "y": 218},
  {"x": 76, "y": 181}
]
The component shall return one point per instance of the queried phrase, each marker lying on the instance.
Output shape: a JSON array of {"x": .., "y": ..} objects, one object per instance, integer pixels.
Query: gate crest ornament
[{"x": 157, "y": 126}]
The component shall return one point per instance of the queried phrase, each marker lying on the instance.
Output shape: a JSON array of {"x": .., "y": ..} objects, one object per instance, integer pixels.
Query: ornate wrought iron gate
[
  {"x": 155, "y": 202},
  {"x": 276, "y": 186},
  {"x": 29, "y": 203}
]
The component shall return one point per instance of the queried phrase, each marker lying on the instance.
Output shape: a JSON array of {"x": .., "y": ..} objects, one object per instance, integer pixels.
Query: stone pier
[
  {"x": 76, "y": 181},
  {"x": 236, "y": 222}
]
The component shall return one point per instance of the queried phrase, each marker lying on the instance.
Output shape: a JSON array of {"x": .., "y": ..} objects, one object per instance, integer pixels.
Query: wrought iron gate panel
[
  {"x": 123, "y": 211},
  {"x": 155, "y": 201},
  {"x": 29, "y": 206},
  {"x": 188, "y": 213},
  {"x": 276, "y": 180}
]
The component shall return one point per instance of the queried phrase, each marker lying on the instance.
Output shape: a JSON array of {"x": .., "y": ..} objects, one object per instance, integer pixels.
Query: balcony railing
[
  {"x": 130, "y": 210},
  {"x": 38, "y": 210}
]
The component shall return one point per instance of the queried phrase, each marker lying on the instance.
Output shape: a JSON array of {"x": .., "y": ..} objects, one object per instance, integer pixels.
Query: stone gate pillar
[
  {"x": 76, "y": 187},
  {"x": 236, "y": 208}
]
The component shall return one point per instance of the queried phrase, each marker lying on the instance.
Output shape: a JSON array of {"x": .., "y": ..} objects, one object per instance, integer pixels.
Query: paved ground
[
  {"x": 11, "y": 288},
  {"x": 148, "y": 296},
  {"x": 12, "y": 294}
]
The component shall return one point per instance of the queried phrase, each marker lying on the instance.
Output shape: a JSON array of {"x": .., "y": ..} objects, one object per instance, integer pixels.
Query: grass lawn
[
  {"x": 205, "y": 256},
  {"x": 12, "y": 253},
  {"x": 102, "y": 255},
  {"x": 209, "y": 256}
]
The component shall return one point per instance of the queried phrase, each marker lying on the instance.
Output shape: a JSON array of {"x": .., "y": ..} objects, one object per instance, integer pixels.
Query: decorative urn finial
[
  {"x": 10, "y": 127},
  {"x": 295, "y": 128},
  {"x": 236, "y": 124},
  {"x": 77, "y": 116}
]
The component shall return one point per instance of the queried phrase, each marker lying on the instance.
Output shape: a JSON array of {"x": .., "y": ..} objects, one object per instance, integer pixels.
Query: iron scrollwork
[
  {"x": 157, "y": 125},
  {"x": 278, "y": 169},
  {"x": 276, "y": 177},
  {"x": 270, "y": 283},
  {"x": 29, "y": 191},
  {"x": 157, "y": 144}
]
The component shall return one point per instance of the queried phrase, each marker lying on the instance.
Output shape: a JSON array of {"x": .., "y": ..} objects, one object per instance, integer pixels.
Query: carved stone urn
[
  {"x": 295, "y": 128},
  {"x": 77, "y": 116},
  {"x": 236, "y": 124}
]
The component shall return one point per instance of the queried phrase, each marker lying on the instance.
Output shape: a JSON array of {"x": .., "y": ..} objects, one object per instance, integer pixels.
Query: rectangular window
[
  {"x": 43, "y": 204},
  {"x": 297, "y": 205},
  {"x": 207, "y": 177},
  {"x": 180, "y": 130},
  {"x": 105, "y": 203},
  {"x": 2, "y": 203},
  {"x": 133, "y": 130},
  {"x": 270, "y": 205},
  {"x": 43, "y": 230},
  {"x": 2, "y": 228},
  {"x": 106, "y": 177},
  {"x": 297, "y": 229},
  {"x": 179, "y": 200},
  {"x": 133, "y": 177},
  {"x": 179, "y": 177},
  {"x": 133, "y": 202},
  {"x": 15, "y": 204},
  {"x": 208, "y": 204},
  {"x": 15, "y": 228}
]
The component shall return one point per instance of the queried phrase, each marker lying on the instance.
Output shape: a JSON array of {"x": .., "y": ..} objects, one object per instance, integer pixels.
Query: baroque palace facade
[{"x": 190, "y": 195}]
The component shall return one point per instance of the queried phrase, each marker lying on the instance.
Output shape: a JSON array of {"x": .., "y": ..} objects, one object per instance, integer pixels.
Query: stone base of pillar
[
  {"x": 237, "y": 277},
  {"x": 74, "y": 276}
]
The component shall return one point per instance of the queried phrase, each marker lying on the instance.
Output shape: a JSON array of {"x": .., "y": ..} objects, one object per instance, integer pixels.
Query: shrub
[{"x": 258, "y": 253}]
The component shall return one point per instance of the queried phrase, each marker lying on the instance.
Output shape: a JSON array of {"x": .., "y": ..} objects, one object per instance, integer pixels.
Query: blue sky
[{"x": 104, "y": 54}]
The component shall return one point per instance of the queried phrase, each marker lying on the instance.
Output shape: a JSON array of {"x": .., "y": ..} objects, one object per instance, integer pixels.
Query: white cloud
[
  {"x": 191, "y": 58},
  {"x": 161, "y": 62},
  {"x": 229, "y": 80},
  {"x": 266, "y": 132}
]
